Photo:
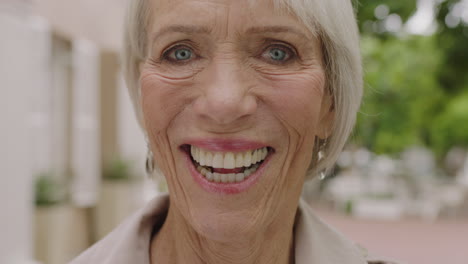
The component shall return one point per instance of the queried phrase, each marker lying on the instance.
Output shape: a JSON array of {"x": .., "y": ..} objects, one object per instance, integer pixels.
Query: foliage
[
  {"x": 118, "y": 170},
  {"x": 48, "y": 191},
  {"x": 402, "y": 93},
  {"x": 415, "y": 86},
  {"x": 454, "y": 42},
  {"x": 366, "y": 11},
  {"x": 451, "y": 126}
]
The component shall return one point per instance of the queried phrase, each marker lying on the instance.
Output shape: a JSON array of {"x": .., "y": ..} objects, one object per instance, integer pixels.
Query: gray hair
[{"x": 335, "y": 24}]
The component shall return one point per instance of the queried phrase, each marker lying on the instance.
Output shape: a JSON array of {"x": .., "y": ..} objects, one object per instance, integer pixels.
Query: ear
[{"x": 327, "y": 116}]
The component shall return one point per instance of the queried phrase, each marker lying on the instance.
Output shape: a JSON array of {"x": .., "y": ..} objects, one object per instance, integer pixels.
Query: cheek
[
  {"x": 162, "y": 99},
  {"x": 296, "y": 100}
]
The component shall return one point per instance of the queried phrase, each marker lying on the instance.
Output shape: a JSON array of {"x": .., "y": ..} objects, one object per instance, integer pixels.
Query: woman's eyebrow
[
  {"x": 277, "y": 29},
  {"x": 187, "y": 29},
  {"x": 192, "y": 29}
]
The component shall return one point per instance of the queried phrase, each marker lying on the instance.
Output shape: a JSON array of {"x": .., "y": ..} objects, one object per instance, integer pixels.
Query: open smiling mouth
[{"x": 227, "y": 167}]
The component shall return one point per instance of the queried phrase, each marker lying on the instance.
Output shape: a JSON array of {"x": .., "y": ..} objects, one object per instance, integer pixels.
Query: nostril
[{"x": 225, "y": 110}]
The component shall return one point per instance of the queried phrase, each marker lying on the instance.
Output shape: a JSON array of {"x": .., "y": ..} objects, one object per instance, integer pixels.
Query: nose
[{"x": 226, "y": 97}]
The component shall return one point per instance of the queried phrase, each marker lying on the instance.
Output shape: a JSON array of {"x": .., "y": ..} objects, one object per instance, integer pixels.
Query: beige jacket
[{"x": 316, "y": 242}]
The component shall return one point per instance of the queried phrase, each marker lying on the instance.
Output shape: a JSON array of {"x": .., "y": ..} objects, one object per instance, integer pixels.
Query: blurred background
[{"x": 72, "y": 154}]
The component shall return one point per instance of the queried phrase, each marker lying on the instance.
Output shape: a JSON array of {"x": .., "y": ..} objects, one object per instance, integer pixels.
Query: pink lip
[
  {"x": 224, "y": 145},
  {"x": 226, "y": 188}
]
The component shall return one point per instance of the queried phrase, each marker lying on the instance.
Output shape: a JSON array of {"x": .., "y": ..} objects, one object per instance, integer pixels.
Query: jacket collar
[{"x": 315, "y": 242}]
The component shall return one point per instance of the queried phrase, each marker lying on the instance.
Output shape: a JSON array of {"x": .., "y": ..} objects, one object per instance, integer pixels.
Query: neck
[{"x": 177, "y": 242}]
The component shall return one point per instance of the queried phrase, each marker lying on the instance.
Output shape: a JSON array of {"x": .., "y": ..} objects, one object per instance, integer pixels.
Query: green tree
[
  {"x": 402, "y": 93},
  {"x": 366, "y": 13},
  {"x": 415, "y": 86},
  {"x": 450, "y": 128}
]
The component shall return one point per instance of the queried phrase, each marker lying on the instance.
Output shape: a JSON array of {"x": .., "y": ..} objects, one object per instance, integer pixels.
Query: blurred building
[
  {"x": 66, "y": 114},
  {"x": 64, "y": 107}
]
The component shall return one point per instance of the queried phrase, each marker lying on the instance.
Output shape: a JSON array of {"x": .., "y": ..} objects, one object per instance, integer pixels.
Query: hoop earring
[{"x": 149, "y": 165}]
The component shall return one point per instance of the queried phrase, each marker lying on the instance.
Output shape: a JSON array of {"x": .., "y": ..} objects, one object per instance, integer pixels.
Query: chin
[{"x": 227, "y": 227}]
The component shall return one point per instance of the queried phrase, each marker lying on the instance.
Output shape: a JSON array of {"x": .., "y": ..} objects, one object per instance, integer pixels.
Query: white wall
[
  {"x": 99, "y": 21},
  {"x": 21, "y": 79},
  {"x": 85, "y": 155},
  {"x": 130, "y": 137}
]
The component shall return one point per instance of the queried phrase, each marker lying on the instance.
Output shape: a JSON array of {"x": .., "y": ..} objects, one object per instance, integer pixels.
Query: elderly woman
[{"x": 237, "y": 99}]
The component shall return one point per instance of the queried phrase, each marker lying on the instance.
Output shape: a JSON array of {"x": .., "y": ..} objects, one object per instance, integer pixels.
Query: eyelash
[
  {"x": 291, "y": 54},
  {"x": 166, "y": 54}
]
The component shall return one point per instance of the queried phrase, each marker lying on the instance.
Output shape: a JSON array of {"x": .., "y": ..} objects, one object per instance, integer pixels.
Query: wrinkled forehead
[
  {"x": 225, "y": 17},
  {"x": 246, "y": 5}
]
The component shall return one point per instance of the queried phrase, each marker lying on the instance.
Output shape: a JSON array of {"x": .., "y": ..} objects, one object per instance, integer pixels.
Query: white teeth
[
  {"x": 209, "y": 159},
  {"x": 231, "y": 177},
  {"x": 265, "y": 153},
  {"x": 192, "y": 152},
  {"x": 240, "y": 177},
  {"x": 259, "y": 155},
  {"x": 196, "y": 156},
  {"x": 229, "y": 161},
  {"x": 227, "y": 177},
  {"x": 218, "y": 161},
  {"x": 247, "y": 159},
  {"x": 217, "y": 177},
  {"x": 255, "y": 157},
  {"x": 201, "y": 157},
  {"x": 239, "y": 160},
  {"x": 209, "y": 176},
  {"x": 224, "y": 178}
]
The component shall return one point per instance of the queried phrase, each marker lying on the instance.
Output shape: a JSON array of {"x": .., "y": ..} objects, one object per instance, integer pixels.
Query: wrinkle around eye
[
  {"x": 298, "y": 68},
  {"x": 169, "y": 74},
  {"x": 151, "y": 78},
  {"x": 313, "y": 75}
]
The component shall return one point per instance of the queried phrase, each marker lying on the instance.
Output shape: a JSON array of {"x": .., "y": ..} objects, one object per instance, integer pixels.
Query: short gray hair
[{"x": 335, "y": 24}]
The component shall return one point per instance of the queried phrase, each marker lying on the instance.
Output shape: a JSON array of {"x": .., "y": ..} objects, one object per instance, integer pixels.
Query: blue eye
[
  {"x": 183, "y": 54},
  {"x": 277, "y": 54}
]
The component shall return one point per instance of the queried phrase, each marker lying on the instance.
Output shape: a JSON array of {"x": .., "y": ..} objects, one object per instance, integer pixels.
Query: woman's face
[{"x": 233, "y": 97}]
